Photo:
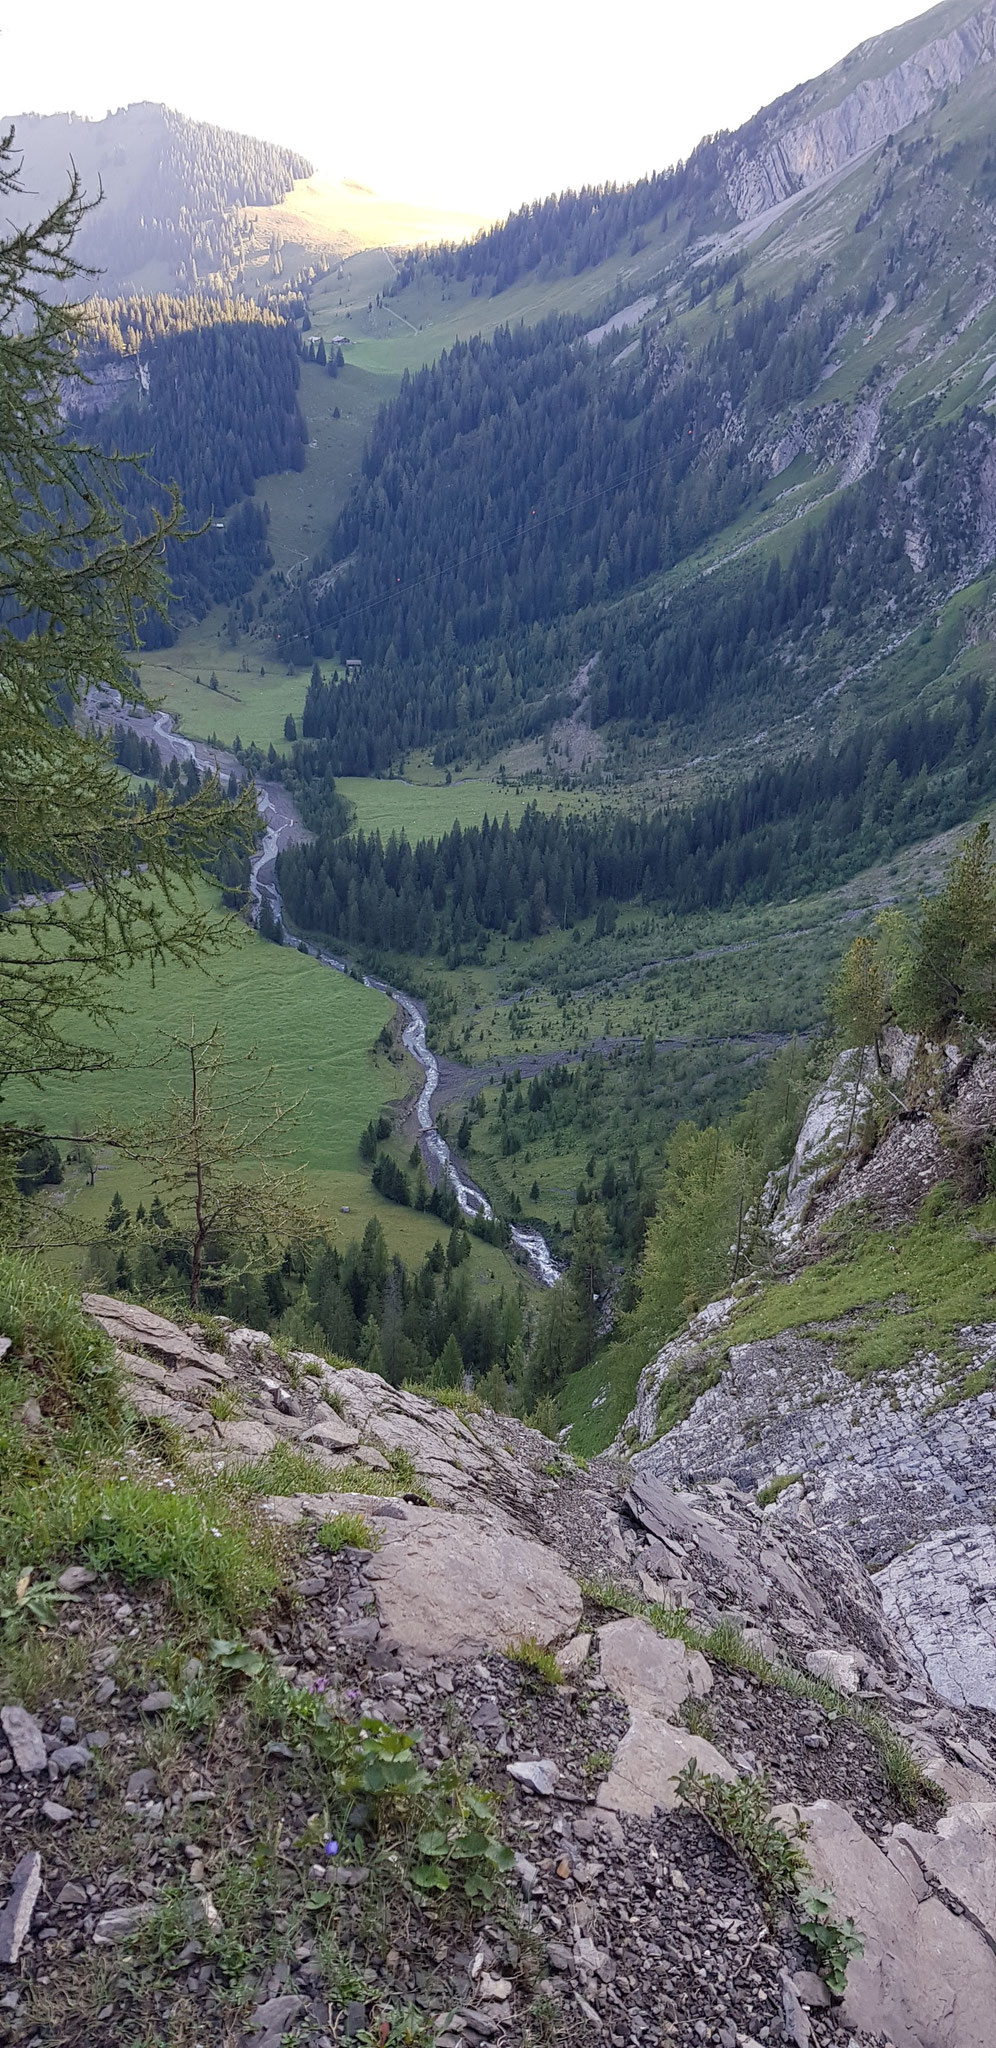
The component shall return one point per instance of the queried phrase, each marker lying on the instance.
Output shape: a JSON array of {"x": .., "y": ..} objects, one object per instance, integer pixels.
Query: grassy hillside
[
  {"x": 256, "y": 688},
  {"x": 176, "y": 190},
  {"x": 317, "y": 1031}
]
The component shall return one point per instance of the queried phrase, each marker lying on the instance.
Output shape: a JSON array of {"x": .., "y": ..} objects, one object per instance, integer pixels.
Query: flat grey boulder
[
  {"x": 25, "y": 1737},
  {"x": 843, "y": 1668},
  {"x": 276, "y": 2013},
  {"x": 539, "y": 1773},
  {"x": 153, "y": 1402},
  {"x": 574, "y": 1655},
  {"x": 648, "y": 1670},
  {"x": 128, "y": 1325},
  {"x": 15, "y": 1920},
  {"x": 647, "y": 1763},
  {"x": 332, "y": 1432},
  {"x": 451, "y": 1585},
  {"x": 288, "y": 1509},
  {"x": 122, "y": 1923},
  {"x": 927, "y": 1978},
  {"x": 245, "y": 1434}
]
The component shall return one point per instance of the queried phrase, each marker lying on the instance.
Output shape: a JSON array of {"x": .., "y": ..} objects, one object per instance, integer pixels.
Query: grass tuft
[
  {"x": 725, "y": 1645},
  {"x": 347, "y": 1532},
  {"x": 536, "y": 1659},
  {"x": 780, "y": 1484}
]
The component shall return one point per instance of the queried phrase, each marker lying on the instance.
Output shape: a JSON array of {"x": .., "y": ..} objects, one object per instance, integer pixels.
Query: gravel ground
[{"x": 619, "y": 1931}]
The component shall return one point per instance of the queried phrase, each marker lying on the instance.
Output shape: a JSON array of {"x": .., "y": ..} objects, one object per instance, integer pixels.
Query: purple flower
[
  {"x": 331, "y": 1848},
  {"x": 320, "y": 1684}
]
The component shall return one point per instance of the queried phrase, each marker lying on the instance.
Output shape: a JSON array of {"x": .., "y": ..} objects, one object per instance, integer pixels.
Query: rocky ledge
[{"x": 689, "y": 1627}]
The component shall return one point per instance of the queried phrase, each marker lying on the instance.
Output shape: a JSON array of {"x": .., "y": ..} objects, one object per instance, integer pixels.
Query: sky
[{"x": 445, "y": 102}]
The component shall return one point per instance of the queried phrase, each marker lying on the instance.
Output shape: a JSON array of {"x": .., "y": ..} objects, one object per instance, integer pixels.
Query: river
[{"x": 281, "y": 828}]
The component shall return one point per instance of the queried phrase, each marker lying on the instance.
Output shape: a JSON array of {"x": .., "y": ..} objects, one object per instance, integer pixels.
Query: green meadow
[
  {"x": 256, "y": 689},
  {"x": 317, "y": 1031},
  {"x": 427, "y": 810},
  {"x": 314, "y": 1028}
]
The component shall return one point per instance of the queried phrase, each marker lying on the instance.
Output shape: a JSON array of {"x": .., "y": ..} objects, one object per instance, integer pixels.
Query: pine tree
[
  {"x": 493, "y": 1390},
  {"x": 946, "y": 987},
  {"x": 586, "y": 1277}
]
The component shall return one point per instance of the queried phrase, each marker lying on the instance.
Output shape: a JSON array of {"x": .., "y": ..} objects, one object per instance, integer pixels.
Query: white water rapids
[{"x": 280, "y": 823}]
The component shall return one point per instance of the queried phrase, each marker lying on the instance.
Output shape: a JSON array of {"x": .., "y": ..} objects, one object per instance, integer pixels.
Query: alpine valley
[{"x": 497, "y": 1343}]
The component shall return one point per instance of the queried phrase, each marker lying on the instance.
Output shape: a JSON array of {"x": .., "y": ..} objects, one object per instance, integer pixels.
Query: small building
[{"x": 353, "y": 667}]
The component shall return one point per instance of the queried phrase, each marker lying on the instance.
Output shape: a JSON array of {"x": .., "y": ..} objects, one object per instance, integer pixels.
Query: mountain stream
[{"x": 281, "y": 828}]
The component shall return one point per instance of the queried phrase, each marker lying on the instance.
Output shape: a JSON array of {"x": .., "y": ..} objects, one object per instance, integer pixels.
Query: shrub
[{"x": 739, "y": 1813}]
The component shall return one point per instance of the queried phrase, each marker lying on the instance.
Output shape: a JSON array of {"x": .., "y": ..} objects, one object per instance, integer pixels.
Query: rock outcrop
[
  {"x": 897, "y": 1465},
  {"x": 928, "y": 1973},
  {"x": 884, "y": 1461},
  {"x": 637, "y": 1924},
  {"x": 784, "y": 160}
]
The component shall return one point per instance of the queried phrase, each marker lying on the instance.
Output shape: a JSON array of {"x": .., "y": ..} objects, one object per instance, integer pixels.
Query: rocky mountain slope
[
  {"x": 426, "y": 1788},
  {"x": 823, "y": 129},
  {"x": 833, "y": 1390}
]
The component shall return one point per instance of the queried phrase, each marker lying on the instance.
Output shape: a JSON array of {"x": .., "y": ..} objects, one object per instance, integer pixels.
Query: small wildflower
[
  {"x": 320, "y": 1685},
  {"x": 216, "y": 1532},
  {"x": 331, "y": 1848}
]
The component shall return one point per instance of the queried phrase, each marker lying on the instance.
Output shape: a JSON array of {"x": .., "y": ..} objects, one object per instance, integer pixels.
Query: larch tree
[
  {"x": 210, "y": 1154},
  {"x": 90, "y": 884}
]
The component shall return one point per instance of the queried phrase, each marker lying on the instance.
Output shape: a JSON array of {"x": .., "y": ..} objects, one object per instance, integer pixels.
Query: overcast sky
[{"x": 447, "y": 101}]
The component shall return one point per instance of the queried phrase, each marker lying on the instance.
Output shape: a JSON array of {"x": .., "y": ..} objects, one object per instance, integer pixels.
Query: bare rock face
[
  {"x": 833, "y": 1121},
  {"x": 810, "y": 151},
  {"x": 719, "y": 1553},
  {"x": 130, "y": 1326},
  {"x": 960, "y": 1858},
  {"x": 701, "y": 1336},
  {"x": 452, "y": 1585},
  {"x": 940, "y": 1596},
  {"x": 890, "y": 1467},
  {"x": 927, "y": 1978},
  {"x": 341, "y": 1416},
  {"x": 885, "y": 1461},
  {"x": 459, "y": 1459}
]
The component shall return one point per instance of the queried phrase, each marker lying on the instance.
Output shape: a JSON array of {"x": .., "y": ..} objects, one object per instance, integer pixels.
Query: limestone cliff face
[
  {"x": 899, "y": 1463},
  {"x": 810, "y": 151}
]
